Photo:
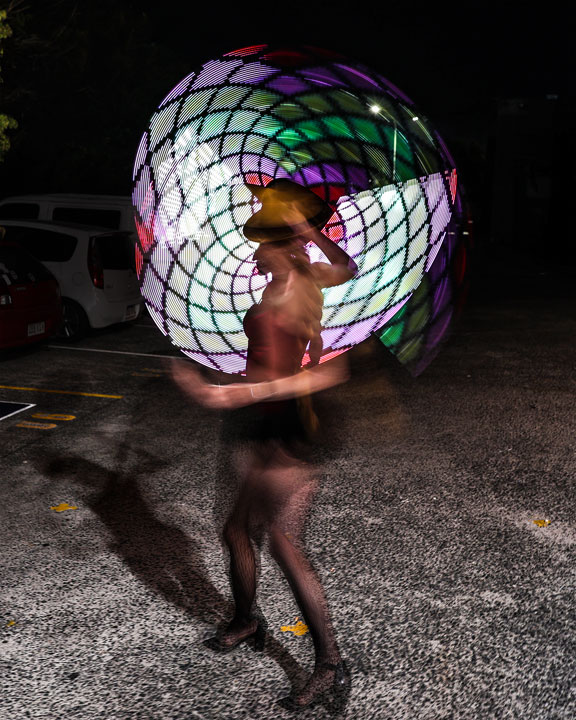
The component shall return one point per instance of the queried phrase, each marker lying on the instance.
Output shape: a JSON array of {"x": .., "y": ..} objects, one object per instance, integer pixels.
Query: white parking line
[
  {"x": 9, "y": 402},
  {"x": 117, "y": 352}
]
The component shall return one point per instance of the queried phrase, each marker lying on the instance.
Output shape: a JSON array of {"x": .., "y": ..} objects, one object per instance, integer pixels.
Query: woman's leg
[
  {"x": 237, "y": 536},
  {"x": 242, "y": 570},
  {"x": 294, "y": 487},
  {"x": 309, "y": 595}
]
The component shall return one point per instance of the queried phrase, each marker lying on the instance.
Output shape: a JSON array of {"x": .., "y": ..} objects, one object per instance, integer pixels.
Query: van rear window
[
  {"x": 19, "y": 211},
  {"x": 116, "y": 251},
  {"x": 88, "y": 216}
]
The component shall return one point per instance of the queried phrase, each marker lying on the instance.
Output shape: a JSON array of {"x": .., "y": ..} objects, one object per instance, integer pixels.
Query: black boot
[
  {"x": 320, "y": 690},
  {"x": 225, "y": 642}
]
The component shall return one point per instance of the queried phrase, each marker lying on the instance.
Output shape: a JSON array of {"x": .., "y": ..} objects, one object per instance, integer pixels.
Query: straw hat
[{"x": 283, "y": 204}]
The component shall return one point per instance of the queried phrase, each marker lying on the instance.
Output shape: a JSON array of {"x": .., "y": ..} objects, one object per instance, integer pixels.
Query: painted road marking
[
  {"x": 117, "y": 352},
  {"x": 53, "y": 416},
  {"x": 61, "y": 392},
  {"x": 36, "y": 426},
  {"x": 7, "y": 408}
]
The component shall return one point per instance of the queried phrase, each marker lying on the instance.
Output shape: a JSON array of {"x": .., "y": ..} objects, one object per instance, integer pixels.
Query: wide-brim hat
[{"x": 283, "y": 204}]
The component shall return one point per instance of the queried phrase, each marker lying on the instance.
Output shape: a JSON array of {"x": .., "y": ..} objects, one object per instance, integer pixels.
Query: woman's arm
[
  {"x": 342, "y": 267},
  {"x": 339, "y": 258},
  {"x": 235, "y": 395}
]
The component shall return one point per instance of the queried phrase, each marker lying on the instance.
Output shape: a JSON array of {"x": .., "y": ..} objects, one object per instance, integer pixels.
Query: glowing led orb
[
  {"x": 313, "y": 117},
  {"x": 414, "y": 334}
]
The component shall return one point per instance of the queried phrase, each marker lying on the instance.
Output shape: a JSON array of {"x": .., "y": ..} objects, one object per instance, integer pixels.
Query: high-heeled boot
[
  {"x": 225, "y": 642},
  {"x": 333, "y": 695}
]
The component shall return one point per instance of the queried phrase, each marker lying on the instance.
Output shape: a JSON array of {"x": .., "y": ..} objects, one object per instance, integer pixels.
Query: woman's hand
[
  {"x": 217, "y": 397},
  {"x": 294, "y": 217},
  {"x": 226, "y": 397}
]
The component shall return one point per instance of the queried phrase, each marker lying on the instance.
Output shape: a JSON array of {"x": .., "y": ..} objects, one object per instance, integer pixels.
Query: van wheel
[{"x": 75, "y": 323}]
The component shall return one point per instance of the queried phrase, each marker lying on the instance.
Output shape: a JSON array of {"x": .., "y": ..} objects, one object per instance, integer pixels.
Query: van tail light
[
  {"x": 95, "y": 267},
  {"x": 5, "y": 297}
]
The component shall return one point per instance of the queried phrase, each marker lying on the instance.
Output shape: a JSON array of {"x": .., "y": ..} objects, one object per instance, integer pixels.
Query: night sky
[
  {"x": 82, "y": 79},
  {"x": 436, "y": 52}
]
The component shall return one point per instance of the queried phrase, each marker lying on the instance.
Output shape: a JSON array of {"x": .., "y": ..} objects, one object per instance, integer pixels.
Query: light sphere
[{"x": 319, "y": 120}]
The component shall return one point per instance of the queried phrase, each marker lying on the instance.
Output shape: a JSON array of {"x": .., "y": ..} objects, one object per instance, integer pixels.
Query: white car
[
  {"x": 114, "y": 212},
  {"x": 94, "y": 268}
]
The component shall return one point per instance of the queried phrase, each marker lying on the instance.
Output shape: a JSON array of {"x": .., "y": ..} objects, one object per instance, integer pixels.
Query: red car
[{"x": 30, "y": 304}]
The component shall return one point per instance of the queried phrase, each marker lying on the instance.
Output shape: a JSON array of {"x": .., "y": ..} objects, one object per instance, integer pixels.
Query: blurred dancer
[{"x": 277, "y": 484}]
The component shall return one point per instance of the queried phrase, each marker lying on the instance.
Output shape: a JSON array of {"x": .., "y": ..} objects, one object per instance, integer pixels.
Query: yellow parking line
[
  {"x": 53, "y": 416},
  {"x": 61, "y": 392},
  {"x": 36, "y": 426}
]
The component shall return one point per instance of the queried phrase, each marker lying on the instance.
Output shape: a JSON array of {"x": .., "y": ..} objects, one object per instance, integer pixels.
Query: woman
[{"x": 277, "y": 484}]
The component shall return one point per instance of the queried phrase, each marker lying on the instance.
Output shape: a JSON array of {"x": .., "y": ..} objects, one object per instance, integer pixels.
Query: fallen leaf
[
  {"x": 298, "y": 629},
  {"x": 63, "y": 506},
  {"x": 541, "y": 522},
  {"x": 10, "y": 623}
]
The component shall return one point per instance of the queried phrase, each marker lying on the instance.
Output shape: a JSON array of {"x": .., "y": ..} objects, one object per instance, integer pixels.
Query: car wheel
[{"x": 75, "y": 323}]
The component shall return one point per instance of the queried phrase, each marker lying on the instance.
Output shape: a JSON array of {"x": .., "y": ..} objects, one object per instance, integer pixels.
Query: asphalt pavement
[{"x": 444, "y": 531}]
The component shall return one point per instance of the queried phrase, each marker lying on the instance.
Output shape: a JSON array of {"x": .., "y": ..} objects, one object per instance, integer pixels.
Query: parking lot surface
[{"x": 444, "y": 532}]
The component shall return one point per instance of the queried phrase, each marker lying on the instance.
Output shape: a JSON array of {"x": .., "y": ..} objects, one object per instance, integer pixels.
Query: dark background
[{"x": 83, "y": 78}]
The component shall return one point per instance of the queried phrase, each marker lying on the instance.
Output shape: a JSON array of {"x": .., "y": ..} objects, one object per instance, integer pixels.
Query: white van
[
  {"x": 114, "y": 212},
  {"x": 94, "y": 268}
]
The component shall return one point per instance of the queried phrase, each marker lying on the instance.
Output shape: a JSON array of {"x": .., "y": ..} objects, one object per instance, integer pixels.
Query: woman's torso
[{"x": 281, "y": 325}]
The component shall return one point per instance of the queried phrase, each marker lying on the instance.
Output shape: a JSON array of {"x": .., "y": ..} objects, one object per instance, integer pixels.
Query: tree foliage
[
  {"x": 6, "y": 122},
  {"x": 84, "y": 80}
]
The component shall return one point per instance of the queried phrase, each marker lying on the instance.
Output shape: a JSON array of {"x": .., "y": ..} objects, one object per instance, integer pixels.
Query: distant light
[
  {"x": 375, "y": 108},
  {"x": 415, "y": 118}
]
